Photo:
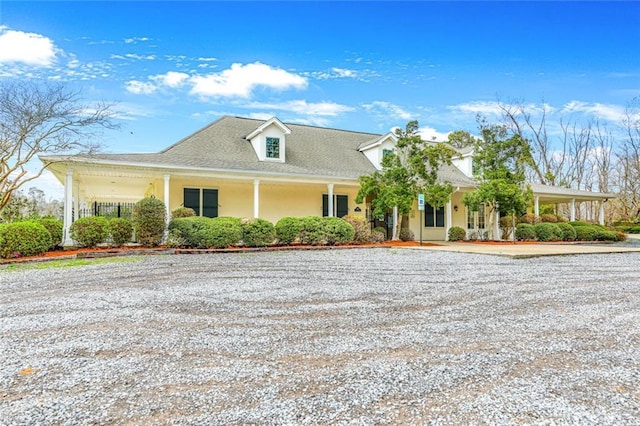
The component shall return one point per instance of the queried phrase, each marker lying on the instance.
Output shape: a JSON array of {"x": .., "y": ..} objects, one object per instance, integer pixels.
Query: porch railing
[{"x": 107, "y": 210}]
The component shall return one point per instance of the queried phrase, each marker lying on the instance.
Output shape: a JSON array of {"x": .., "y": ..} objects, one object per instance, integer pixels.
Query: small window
[
  {"x": 203, "y": 201},
  {"x": 386, "y": 152},
  {"x": 273, "y": 147},
  {"x": 433, "y": 218}
]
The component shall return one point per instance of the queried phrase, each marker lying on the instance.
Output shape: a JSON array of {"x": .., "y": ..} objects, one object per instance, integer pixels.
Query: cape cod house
[{"x": 269, "y": 169}]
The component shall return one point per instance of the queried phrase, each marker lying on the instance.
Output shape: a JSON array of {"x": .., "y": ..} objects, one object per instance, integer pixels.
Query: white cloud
[
  {"x": 171, "y": 79},
  {"x": 328, "y": 109},
  {"x": 240, "y": 80},
  {"x": 431, "y": 134},
  {"x": 386, "y": 109},
  {"x": 136, "y": 39},
  {"x": 604, "y": 111},
  {"x": 28, "y": 48},
  {"x": 491, "y": 108},
  {"x": 140, "y": 87}
]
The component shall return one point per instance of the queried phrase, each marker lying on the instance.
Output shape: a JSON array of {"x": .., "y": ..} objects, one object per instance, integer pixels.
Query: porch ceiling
[{"x": 553, "y": 194}]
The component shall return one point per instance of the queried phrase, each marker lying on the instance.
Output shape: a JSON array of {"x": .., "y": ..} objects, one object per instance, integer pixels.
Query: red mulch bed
[{"x": 120, "y": 251}]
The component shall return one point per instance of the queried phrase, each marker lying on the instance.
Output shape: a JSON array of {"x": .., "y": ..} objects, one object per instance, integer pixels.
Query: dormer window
[
  {"x": 269, "y": 140},
  {"x": 273, "y": 147},
  {"x": 386, "y": 152}
]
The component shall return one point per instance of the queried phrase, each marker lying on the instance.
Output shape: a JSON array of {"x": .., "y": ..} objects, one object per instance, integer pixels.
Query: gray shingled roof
[{"x": 310, "y": 150}]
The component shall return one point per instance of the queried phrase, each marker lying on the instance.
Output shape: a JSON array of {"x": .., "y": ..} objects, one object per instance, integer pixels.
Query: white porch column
[
  {"x": 572, "y": 207},
  {"x": 448, "y": 220},
  {"x": 602, "y": 212},
  {"x": 536, "y": 206},
  {"x": 76, "y": 200},
  {"x": 256, "y": 198},
  {"x": 496, "y": 225},
  {"x": 68, "y": 207},
  {"x": 330, "y": 200},
  {"x": 167, "y": 207}
]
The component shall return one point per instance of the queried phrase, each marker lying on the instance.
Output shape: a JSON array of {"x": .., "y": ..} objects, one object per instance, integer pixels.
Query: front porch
[{"x": 209, "y": 194}]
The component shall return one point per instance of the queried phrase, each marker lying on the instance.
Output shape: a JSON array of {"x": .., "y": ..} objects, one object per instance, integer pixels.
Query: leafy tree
[
  {"x": 42, "y": 119},
  {"x": 411, "y": 169},
  {"x": 501, "y": 161},
  {"x": 461, "y": 139}
]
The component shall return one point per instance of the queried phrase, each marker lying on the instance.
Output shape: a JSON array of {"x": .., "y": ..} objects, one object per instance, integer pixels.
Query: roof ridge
[{"x": 195, "y": 133}]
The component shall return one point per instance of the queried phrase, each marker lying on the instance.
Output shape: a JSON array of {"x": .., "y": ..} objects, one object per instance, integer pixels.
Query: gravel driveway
[{"x": 360, "y": 336}]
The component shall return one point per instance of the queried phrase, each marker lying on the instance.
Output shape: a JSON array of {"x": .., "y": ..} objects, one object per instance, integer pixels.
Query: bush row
[
  {"x": 573, "y": 231},
  {"x": 221, "y": 232},
  {"x": 93, "y": 230}
]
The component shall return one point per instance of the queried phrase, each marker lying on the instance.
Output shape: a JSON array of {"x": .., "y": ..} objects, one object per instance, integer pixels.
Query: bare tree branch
[{"x": 44, "y": 119}]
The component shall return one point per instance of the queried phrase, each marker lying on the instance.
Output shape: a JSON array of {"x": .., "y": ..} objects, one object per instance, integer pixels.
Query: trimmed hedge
[
  {"x": 547, "y": 231},
  {"x": 148, "y": 219},
  {"x": 457, "y": 233},
  {"x": 288, "y": 229},
  {"x": 258, "y": 232},
  {"x": 120, "y": 231},
  {"x": 568, "y": 231},
  {"x": 89, "y": 231},
  {"x": 28, "y": 238},
  {"x": 204, "y": 232},
  {"x": 337, "y": 231},
  {"x": 585, "y": 232},
  {"x": 525, "y": 232},
  {"x": 312, "y": 232},
  {"x": 55, "y": 227}
]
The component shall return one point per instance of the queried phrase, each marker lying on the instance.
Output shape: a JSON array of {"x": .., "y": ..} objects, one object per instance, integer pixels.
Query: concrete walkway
[{"x": 523, "y": 251}]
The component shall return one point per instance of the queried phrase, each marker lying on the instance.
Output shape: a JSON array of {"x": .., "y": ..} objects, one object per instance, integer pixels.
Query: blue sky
[{"x": 173, "y": 67}]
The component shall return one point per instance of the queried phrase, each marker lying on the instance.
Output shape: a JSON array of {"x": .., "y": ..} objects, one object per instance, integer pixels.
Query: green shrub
[
  {"x": 312, "y": 232},
  {"x": 258, "y": 232},
  {"x": 149, "y": 217},
  {"x": 337, "y": 231},
  {"x": 620, "y": 236},
  {"x": 457, "y": 233},
  {"x": 89, "y": 231},
  {"x": 288, "y": 230},
  {"x": 605, "y": 235},
  {"x": 361, "y": 228},
  {"x": 406, "y": 234},
  {"x": 525, "y": 232},
  {"x": 184, "y": 230},
  {"x": 120, "y": 230},
  {"x": 585, "y": 233},
  {"x": 182, "y": 212},
  {"x": 568, "y": 231},
  {"x": 222, "y": 232},
  {"x": 378, "y": 236},
  {"x": 54, "y": 226},
  {"x": 628, "y": 229},
  {"x": 28, "y": 238},
  {"x": 547, "y": 231}
]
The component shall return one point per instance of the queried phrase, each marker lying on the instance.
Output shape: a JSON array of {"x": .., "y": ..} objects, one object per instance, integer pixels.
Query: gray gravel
[{"x": 349, "y": 337}]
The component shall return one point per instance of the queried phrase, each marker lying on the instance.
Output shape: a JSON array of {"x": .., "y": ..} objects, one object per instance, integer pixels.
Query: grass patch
[{"x": 70, "y": 263}]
